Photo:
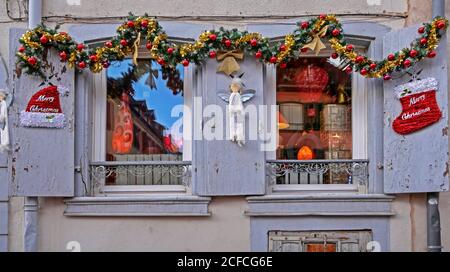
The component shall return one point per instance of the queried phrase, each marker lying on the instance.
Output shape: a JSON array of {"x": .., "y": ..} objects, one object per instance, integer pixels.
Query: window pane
[
  {"x": 315, "y": 116},
  {"x": 140, "y": 100}
]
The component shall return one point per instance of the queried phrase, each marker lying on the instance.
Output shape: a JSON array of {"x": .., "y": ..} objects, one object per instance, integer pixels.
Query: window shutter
[
  {"x": 417, "y": 162},
  {"x": 221, "y": 167},
  {"x": 42, "y": 159}
]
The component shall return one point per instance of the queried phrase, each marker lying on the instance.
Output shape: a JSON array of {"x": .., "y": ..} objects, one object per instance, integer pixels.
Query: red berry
[
  {"x": 432, "y": 54},
  {"x": 161, "y": 62},
  {"x": 391, "y": 57},
  {"x": 253, "y": 42},
  {"x": 148, "y": 45},
  {"x": 350, "y": 47},
  {"x": 105, "y": 64},
  {"x": 359, "y": 59},
  {"x": 304, "y": 25},
  {"x": 322, "y": 17},
  {"x": 170, "y": 50},
  {"x": 423, "y": 41},
  {"x": 93, "y": 58},
  {"x": 304, "y": 50},
  {"x": 283, "y": 65},
  {"x": 335, "y": 55},
  {"x": 82, "y": 65},
  {"x": 413, "y": 53},
  {"x": 21, "y": 49},
  {"x": 185, "y": 63},
  {"x": 212, "y": 54},
  {"x": 124, "y": 42},
  {"x": 63, "y": 56},
  {"x": 283, "y": 47},
  {"x": 130, "y": 24},
  {"x": 32, "y": 60},
  {"x": 227, "y": 43},
  {"x": 144, "y": 24},
  {"x": 44, "y": 39},
  {"x": 349, "y": 70},
  {"x": 273, "y": 59},
  {"x": 387, "y": 77},
  {"x": 80, "y": 46},
  {"x": 213, "y": 37},
  {"x": 407, "y": 63},
  {"x": 364, "y": 72},
  {"x": 336, "y": 32},
  {"x": 441, "y": 25},
  {"x": 373, "y": 66},
  {"x": 258, "y": 54},
  {"x": 108, "y": 44},
  {"x": 421, "y": 30}
]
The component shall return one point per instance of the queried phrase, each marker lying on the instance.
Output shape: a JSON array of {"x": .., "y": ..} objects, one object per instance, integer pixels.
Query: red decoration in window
[
  {"x": 312, "y": 80},
  {"x": 122, "y": 140}
]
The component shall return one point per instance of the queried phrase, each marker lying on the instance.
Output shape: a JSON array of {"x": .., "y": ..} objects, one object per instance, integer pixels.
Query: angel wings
[{"x": 246, "y": 96}]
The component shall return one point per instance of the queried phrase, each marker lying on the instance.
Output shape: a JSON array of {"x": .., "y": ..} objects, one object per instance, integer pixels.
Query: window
[
  {"x": 321, "y": 125},
  {"x": 138, "y": 141}
]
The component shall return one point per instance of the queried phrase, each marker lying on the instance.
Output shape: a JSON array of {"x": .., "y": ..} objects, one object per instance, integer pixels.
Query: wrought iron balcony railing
[
  {"x": 141, "y": 172},
  {"x": 318, "y": 172}
]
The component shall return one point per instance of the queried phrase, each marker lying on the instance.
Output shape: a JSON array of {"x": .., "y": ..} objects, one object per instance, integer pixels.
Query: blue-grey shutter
[
  {"x": 42, "y": 160},
  {"x": 418, "y": 162},
  {"x": 222, "y": 168}
]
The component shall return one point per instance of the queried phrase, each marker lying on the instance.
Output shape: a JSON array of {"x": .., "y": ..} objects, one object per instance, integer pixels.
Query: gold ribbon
[
  {"x": 316, "y": 44},
  {"x": 229, "y": 64},
  {"x": 136, "y": 44}
]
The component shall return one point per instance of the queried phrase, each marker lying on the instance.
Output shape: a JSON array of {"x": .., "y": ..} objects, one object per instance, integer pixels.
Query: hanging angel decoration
[
  {"x": 5, "y": 102},
  {"x": 236, "y": 112}
]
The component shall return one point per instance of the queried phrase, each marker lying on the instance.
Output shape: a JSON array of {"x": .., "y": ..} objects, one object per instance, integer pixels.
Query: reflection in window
[
  {"x": 139, "y": 122},
  {"x": 315, "y": 117}
]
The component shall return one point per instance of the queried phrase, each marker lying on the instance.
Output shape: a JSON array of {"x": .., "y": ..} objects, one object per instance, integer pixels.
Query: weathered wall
[{"x": 408, "y": 228}]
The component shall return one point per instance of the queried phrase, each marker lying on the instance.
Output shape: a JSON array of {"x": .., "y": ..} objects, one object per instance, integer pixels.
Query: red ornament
[
  {"x": 212, "y": 54},
  {"x": 82, "y": 65},
  {"x": 421, "y": 30},
  {"x": 423, "y": 41},
  {"x": 336, "y": 32},
  {"x": 350, "y": 48},
  {"x": 213, "y": 37},
  {"x": 407, "y": 63},
  {"x": 441, "y": 25},
  {"x": 144, "y": 24},
  {"x": 105, "y": 65},
  {"x": 273, "y": 59},
  {"x": 304, "y": 50},
  {"x": 387, "y": 77},
  {"x": 63, "y": 56},
  {"x": 170, "y": 50},
  {"x": 413, "y": 53},
  {"x": 283, "y": 65},
  {"x": 123, "y": 42},
  {"x": 305, "y": 25},
  {"x": 258, "y": 54},
  {"x": 21, "y": 49},
  {"x": 364, "y": 72},
  {"x": 359, "y": 59},
  {"x": 130, "y": 24},
  {"x": 148, "y": 45},
  {"x": 335, "y": 55},
  {"x": 185, "y": 63},
  {"x": 254, "y": 42},
  {"x": 432, "y": 54},
  {"x": 93, "y": 58},
  {"x": 32, "y": 60},
  {"x": 161, "y": 62},
  {"x": 373, "y": 66},
  {"x": 282, "y": 47},
  {"x": 44, "y": 39},
  {"x": 227, "y": 43},
  {"x": 108, "y": 44},
  {"x": 80, "y": 47},
  {"x": 322, "y": 17},
  {"x": 391, "y": 57},
  {"x": 349, "y": 70}
]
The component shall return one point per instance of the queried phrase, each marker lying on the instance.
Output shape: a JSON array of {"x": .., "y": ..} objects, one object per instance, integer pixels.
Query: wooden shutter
[
  {"x": 42, "y": 160},
  {"x": 221, "y": 167},
  {"x": 418, "y": 162}
]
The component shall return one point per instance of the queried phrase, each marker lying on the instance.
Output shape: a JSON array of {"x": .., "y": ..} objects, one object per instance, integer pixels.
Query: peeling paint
[
  {"x": 446, "y": 170},
  {"x": 445, "y": 132}
]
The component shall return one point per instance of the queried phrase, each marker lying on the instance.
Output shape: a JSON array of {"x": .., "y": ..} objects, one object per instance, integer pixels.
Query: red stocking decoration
[
  {"x": 419, "y": 106},
  {"x": 122, "y": 140}
]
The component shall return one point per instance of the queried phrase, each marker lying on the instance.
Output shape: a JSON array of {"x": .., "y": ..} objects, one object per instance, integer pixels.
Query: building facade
[{"x": 119, "y": 179}]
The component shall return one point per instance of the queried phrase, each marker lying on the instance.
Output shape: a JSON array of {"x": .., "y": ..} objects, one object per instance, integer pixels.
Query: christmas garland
[{"x": 31, "y": 56}]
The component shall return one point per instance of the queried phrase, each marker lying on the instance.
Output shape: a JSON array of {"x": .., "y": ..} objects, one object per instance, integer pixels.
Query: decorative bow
[
  {"x": 229, "y": 64},
  {"x": 316, "y": 44}
]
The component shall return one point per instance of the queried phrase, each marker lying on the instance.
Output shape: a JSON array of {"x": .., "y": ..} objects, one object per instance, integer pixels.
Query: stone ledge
[{"x": 151, "y": 206}]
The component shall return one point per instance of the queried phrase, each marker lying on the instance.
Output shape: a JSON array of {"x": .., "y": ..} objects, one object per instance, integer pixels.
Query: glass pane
[
  {"x": 139, "y": 125},
  {"x": 315, "y": 117}
]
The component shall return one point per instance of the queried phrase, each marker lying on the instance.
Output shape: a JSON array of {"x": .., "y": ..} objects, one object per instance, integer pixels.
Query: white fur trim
[
  {"x": 418, "y": 86},
  {"x": 42, "y": 120}
]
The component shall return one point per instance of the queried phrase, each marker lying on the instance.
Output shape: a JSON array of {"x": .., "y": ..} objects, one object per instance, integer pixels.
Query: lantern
[
  {"x": 311, "y": 81},
  {"x": 305, "y": 154}
]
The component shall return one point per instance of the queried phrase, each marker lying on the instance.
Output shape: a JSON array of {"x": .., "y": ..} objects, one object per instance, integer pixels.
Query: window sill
[
  {"x": 333, "y": 205},
  {"x": 149, "y": 206}
]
